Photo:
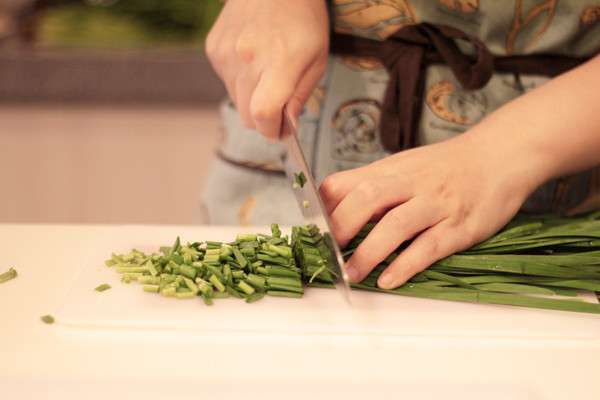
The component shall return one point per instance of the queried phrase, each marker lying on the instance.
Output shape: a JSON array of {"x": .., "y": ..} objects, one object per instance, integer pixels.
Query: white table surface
[{"x": 56, "y": 361}]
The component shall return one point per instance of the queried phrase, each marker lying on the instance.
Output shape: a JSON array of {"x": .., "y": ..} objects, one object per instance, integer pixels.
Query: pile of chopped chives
[
  {"x": 249, "y": 268},
  {"x": 536, "y": 263}
]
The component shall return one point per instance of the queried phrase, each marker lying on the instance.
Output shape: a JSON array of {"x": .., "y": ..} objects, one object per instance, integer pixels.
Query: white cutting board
[{"x": 321, "y": 311}]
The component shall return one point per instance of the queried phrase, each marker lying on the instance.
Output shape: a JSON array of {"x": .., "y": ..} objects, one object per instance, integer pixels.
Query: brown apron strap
[{"x": 406, "y": 55}]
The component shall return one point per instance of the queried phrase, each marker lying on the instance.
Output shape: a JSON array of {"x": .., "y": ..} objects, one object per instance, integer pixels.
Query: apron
[{"x": 404, "y": 74}]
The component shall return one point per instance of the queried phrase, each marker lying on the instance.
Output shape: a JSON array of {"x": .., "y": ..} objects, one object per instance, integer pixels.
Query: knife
[{"x": 309, "y": 200}]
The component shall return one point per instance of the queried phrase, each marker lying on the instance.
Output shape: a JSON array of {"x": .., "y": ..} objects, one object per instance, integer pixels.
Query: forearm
[{"x": 553, "y": 130}]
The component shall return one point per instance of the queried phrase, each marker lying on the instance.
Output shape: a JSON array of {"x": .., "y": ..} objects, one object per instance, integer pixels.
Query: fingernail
[
  {"x": 386, "y": 281},
  {"x": 352, "y": 273}
]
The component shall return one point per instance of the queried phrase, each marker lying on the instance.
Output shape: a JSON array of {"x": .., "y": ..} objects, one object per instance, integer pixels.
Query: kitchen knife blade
[{"x": 309, "y": 200}]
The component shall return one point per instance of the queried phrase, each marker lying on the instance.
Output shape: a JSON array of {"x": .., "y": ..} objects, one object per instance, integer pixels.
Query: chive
[
  {"x": 255, "y": 297},
  {"x": 280, "y": 293},
  {"x": 176, "y": 258},
  {"x": 131, "y": 270},
  {"x": 8, "y": 275},
  {"x": 102, "y": 287},
  {"x": 246, "y": 238},
  {"x": 126, "y": 278},
  {"x": 246, "y": 288},
  {"x": 215, "y": 271},
  {"x": 305, "y": 204},
  {"x": 447, "y": 278},
  {"x": 300, "y": 179},
  {"x": 238, "y": 274},
  {"x": 316, "y": 273},
  {"x": 151, "y": 288},
  {"x": 276, "y": 280},
  {"x": 239, "y": 257},
  {"x": 149, "y": 279},
  {"x": 176, "y": 245},
  {"x": 283, "y": 251},
  {"x": 234, "y": 292},
  {"x": 188, "y": 271},
  {"x": 207, "y": 300},
  {"x": 275, "y": 231},
  {"x": 168, "y": 291},
  {"x": 256, "y": 281},
  {"x": 287, "y": 288},
  {"x": 191, "y": 285},
  {"x": 515, "y": 288},
  {"x": 217, "y": 283},
  {"x": 185, "y": 295},
  {"x": 211, "y": 258},
  {"x": 47, "y": 319},
  {"x": 225, "y": 252}
]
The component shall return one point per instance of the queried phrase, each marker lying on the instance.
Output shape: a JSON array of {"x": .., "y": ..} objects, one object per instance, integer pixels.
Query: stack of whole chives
[
  {"x": 249, "y": 268},
  {"x": 312, "y": 255},
  {"x": 538, "y": 264}
]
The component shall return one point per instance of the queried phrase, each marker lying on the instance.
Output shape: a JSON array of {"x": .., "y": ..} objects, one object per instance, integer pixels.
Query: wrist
[{"x": 514, "y": 162}]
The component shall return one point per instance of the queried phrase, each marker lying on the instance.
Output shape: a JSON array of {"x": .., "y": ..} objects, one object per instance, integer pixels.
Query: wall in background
[{"x": 105, "y": 164}]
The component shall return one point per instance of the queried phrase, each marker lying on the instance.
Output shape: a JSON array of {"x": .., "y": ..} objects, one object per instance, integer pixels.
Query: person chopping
[{"x": 440, "y": 119}]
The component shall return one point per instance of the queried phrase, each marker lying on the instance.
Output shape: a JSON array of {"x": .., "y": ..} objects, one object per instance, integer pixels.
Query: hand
[
  {"x": 446, "y": 197},
  {"x": 269, "y": 53}
]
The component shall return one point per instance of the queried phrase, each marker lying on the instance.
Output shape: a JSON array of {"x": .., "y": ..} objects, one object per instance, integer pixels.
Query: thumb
[{"x": 278, "y": 87}]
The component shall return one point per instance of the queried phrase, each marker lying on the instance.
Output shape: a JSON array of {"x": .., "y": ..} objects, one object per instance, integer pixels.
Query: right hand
[{"x": 269, "y": 54}]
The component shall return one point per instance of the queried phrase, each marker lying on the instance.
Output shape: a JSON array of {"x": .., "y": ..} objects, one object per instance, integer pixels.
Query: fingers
[
  {"x": 337, "y": 186},
  {"x": 367, "y": 199},
  {"x": 307, "y": 84},
  {"x": 274, "y": 89},
  {"x": 245, "y": 85},
  {"x": 397, "y": 226},
  {"x": 439, "y": 241}
]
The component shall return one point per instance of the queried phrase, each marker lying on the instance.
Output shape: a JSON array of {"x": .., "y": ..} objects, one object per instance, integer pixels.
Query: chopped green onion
[
  {"x": 282, "y": 293},
  {"x": 217, "y": 283},
  {"x": 185, "y": 295},
  {"x": 246, "y": 288},
  {"x": 300, "y": 179},
  {"x": 151, "y": 288},
  {"x": 47, "y": 319},
  {"x": 8, "y": 275},
  {"x": 255, "y": 297},
  {"x": 102, "y": 287}
]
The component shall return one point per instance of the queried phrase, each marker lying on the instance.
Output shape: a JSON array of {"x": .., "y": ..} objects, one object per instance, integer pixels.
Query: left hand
[{"x": 446, "y": 197}]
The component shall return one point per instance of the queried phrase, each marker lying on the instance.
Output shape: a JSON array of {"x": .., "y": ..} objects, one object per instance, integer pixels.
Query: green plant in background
[{"x": 127, "y": 23}]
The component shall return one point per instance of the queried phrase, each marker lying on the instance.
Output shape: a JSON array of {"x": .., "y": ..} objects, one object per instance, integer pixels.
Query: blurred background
[{"x": 108, "y": 110}]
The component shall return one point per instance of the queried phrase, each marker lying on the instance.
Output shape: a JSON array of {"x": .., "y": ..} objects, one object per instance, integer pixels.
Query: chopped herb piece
[
  {"x": 217, "y": 283},
  {"x": 47, "y": 319},
  {"x": 255, "y": 297},
  {"x": 8, "y": 275},
  {"x": 102, "y": 287},
  {"x": 151, "y": 288},
  {"x": 246, "y": 288},
  {"x": 300, "y": 179},
  {"x": 185, "y": 295}
]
